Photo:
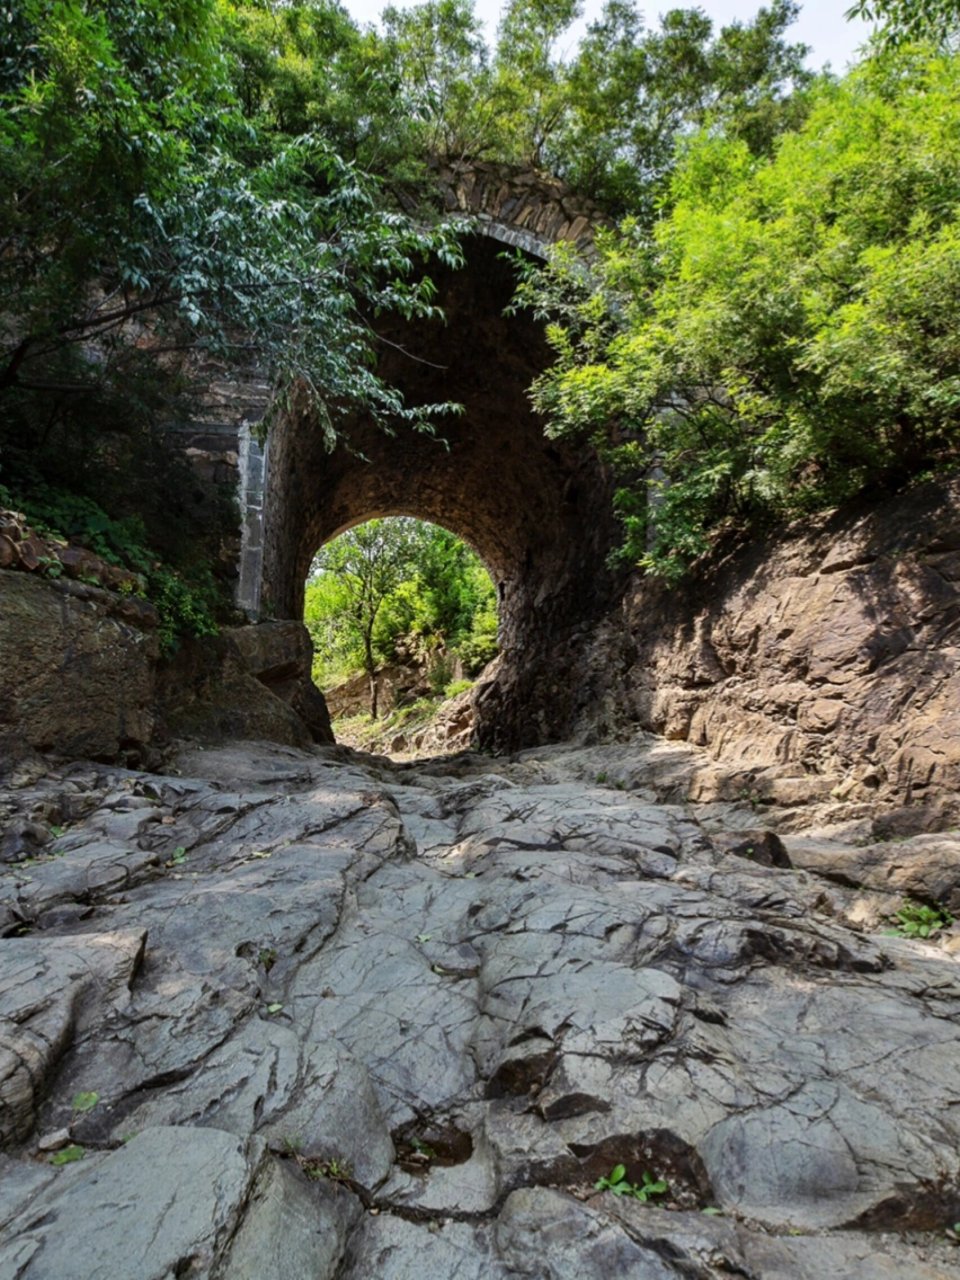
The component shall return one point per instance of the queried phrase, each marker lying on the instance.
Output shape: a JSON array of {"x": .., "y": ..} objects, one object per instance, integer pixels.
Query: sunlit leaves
[
  {"x": 905, "y": 20},
  {"x": 394, "y": 578},
  {"x": 132, "y": 186},
  {"x": 788, "y": 334}
]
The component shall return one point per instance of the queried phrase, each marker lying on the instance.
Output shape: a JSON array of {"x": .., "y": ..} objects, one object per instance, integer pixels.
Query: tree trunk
[{"x": 371, "y": 669}]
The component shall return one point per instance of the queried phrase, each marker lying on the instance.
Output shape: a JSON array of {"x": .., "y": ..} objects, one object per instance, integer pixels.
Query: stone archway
[{"x": 538, "y": 512}]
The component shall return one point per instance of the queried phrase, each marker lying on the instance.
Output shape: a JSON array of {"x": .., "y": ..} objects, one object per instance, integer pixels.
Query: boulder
[
  {"x": 76, "y": 667},
  {"x": 209, "y": 691},
  {"x": 280, "y": 655}
]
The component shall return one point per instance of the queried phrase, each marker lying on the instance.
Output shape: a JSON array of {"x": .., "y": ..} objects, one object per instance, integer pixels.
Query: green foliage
[
  {"x": 397, "y": 580},
  {"x": 634, "y": 94},
  {"x": 85, "y": 1101},
  {"x": 789, "y": 335},
  {"x": 456, "y": 687},
  {"x": 907, "y": 20},
  {"x": 643, "y": 1191},
  {"x": 439, "y": 62},
  {"x": 366, "y": 564},
  {"x": 132, "y": 187},
  {"x": 606, "y": 116},
  {"x": 185, "y": 608},
  {"x": 67, "y": 1155},
  {"x": 149, "y": 208},
  {"x": 440, "y": 673},
  {"x": 60, "y": 514},
  {"x": 918, "y": 920},
  {"x": 186, "y": 605}
]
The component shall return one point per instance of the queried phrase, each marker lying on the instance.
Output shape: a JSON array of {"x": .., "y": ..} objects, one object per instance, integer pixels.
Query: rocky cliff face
[
  {"x": 823, "y": 663},
  {"x": 81, "y": 677},
  {"x": 76, "y": 667},
  {"x": 828, "y": 662}
]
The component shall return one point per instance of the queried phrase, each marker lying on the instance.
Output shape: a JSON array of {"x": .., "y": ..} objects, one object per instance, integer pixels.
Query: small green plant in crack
[
  {"x": 334, "y": 1170},
  {"x": 618, "y": 1183},
  {"x": 917, "y": 920},
  {"x": 85, "y": 1101},
  {"x": 67, "y": 1155},
  {"x": 178, "y": 857},
  {"x": 267, "y": 956}
]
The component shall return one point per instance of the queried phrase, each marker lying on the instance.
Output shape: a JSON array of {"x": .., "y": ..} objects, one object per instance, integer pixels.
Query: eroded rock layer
[
  {"x": 823, "y": 662},
  {"x": 280, "y": 1013}
]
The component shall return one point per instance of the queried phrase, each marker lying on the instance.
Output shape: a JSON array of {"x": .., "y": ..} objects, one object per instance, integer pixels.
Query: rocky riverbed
[{"x": 280, "y": 1013}]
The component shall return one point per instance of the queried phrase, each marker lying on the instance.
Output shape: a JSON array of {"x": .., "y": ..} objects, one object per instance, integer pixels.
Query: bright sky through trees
[{"x": 821, "y": 25}]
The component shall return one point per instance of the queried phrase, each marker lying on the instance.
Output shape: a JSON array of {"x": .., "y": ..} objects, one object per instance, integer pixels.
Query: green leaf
[
  {"x": 85, "y": 1101},
  {"x": 275, "y": 1007},
  {"x": 68, "y": 1155},
  {"x": 618, "y": 1173}
]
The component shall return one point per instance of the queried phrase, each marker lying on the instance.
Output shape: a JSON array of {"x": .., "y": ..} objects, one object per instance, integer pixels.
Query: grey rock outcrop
[
  {"x": 76, "y": 666},
  {"x": 820, "y": 662},
  {"x": 280, "y": 1013},
  {"x": 248, "y": 682},
  {"x": 828, "y": 654},
  {"x": 81, "y": 677}
]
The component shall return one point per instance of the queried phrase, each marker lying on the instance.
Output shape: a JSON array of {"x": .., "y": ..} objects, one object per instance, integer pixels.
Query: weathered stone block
[{"x": 76, "y": 675}]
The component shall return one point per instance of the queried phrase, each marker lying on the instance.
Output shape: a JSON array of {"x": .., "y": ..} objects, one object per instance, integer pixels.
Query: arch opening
[{"x": 403, "y": 618}]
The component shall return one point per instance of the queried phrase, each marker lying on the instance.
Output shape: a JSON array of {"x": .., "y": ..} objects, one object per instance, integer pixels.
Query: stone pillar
[{"x": 250, "y": 491}]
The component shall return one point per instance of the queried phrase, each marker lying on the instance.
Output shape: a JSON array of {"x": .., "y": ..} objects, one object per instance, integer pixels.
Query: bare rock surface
[
  {"x": 283, "y": 1013},
  {"x": 76, "y": 666}
]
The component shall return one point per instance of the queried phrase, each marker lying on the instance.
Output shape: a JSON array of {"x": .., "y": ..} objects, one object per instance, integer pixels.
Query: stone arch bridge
[{"x": 537, "y": 511}]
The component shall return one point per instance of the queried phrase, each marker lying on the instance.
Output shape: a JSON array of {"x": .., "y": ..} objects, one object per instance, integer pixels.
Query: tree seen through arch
[{"x": 399, "y": 587}]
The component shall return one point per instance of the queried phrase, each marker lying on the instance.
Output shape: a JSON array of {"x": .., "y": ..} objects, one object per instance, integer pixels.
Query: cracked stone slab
[
  {"x": 397, "y": 1021},
  {"x": 51, "y": 992},
  {"x": 165, "y": 1204}
]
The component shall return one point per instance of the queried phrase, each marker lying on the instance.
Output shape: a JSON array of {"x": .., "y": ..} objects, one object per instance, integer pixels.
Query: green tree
[
  {"x": 144, "y": 216},
  {"x": 440, "y": 59},
  {"x": 532, "y": 76},
  {"x": 634, "y": 94},
  {"x": 368, "y": 562},
  {"x": 127, "y": 193},
  {"x": 902, "y": 21},
  {"x": 432, "y": 590},
  {"x": 790, "y": 335},
  {"x": 303, "y": 66}
]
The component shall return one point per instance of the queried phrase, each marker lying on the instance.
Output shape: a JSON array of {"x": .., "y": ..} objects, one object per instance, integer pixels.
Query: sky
[{"x": 822, "y": 25}]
